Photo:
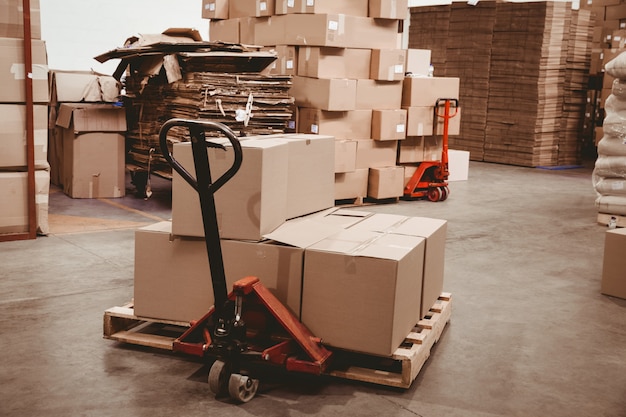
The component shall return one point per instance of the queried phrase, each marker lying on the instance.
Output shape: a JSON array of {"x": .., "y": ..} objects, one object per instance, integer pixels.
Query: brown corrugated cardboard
[
  {"x": 389, "y": 124},
  {"x": 411, "y": 149},
  {"x": 386, "y": 182},
  {"x": 13, "y": 72},
  {"x": 215, "y": 9},
  {"x": 389, "y": 9},
  {"x": 351, "y": 184},
  {"x": 12, "y": 19},
  {"x": 270, "y": 31},
  {"x": 380, "y": 95},
  {"x": 250, "y": 8},
  {"x": 13, "y": 136},
  {"x": 93, "y": 150},
  {"x": 287, "y": 6},
  {"x": 224, "y": 30},
  {"x": 420, "y": 121},
  {"x": 374, "y": 153},
  {"x": 14, "y": 202},
  {"x": 327, "y": 62},
  {"x": 325, "y": 94},
  {"x": 252, "y": 203},
  {"x": 388, "y": 64},
  {"x": 345, "y": 155},
  {"x": 418, "y": 61},
  {"x": 340, "y": 124},
  {"x": 355, "y": 282},
  {"x": 433, "y": 148},
  {"x": 349, "y": 7},
  {"x": 173, "y": 279},
  {"x": 287, "y": 61},
  {"x": 615, "y": 12},
  {"x": 614, "y": 264},
  {"x": 82, "y": 86},
  {"x": 424, "y": 91}
]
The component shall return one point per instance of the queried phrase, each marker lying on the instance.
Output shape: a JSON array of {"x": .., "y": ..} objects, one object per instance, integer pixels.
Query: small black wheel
[
  {"x": 218, "y": 378},
  {"x": 242, "y": 388}
]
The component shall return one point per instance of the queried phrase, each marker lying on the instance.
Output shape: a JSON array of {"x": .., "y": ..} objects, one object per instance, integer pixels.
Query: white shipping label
[
  {"x": 291, "y": 3},
  {"x": 333, "y": 25},
  {"x": 212, "y": 7},
  {"x": 289, "y": 64},
  {"x": 314, "y": 129},
  {"x": 399, "y": 69},
  {"x": 400, "y": 128},
  {"x": 420, "y": 129},
  {"x": 263, "y": 6},
  {"x": 310, "y": 3},
  {"x": 618, "y": 185}
]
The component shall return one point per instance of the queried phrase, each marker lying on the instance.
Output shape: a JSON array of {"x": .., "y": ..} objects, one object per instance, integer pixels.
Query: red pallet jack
[
  {"x": 249, "y": 325},
  {"x": 431, "y": 177}
]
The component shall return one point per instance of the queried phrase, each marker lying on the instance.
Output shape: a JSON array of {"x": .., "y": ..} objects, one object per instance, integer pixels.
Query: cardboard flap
[
  {"x": 92, "y": 118},
  {"x": 87, "y": 86}
]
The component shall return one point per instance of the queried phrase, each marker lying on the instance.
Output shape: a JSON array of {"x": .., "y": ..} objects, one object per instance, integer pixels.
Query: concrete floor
[{"x": 530, "y": 334}]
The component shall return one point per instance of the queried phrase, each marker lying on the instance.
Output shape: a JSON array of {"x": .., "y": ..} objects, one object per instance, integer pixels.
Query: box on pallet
[
  {"x": 345, "y": 156},
  {"x": 14, "y": 204},
  {"x": 326, "y": 94},
  {"x": 287, "y": 61},
  {"x": 380, "y": 95},
  {"x": 351, "y": 184},
  {"x": 250, "y": 8},
  {"x": 93, "y": 150},
  {"x": 389, "y": 9},
  {"x": 425, "y": 91},
  {"x": 389, "y": 124},
  {"x": 13, "y": 71},
  {"x": 348, "y": 124},
  {"x": 387, "y": 64},
  {"x": 614, "y": 264},
  {"x": 327, "y": 62},
  {"x": 13, "y": 136},
  {"x": 215, "y": 9},
  {"x": 411, "y": 149},
  {"x": 375, "y": 153},
  {"x": 386, "y": 182},
  {"x": 224, "y": 30},
  {"x": 418, "y": 61},
  {"x": 420, "y": 121},
  {"x": 12, "y": 19}
]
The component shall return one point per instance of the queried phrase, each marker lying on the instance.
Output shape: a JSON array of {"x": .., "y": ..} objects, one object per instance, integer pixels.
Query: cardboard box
[
  {"x": 433, "y": 148},
  {"x": 389, "y": 9},
  {"x": 287, "y": 6},
  {"x": 345, "y": 156},
  {"x": 250, "y": 8},
  {"x": 224, "y": 30},
  {"x": 386, "y": 182},
  {"x": 411, "y": 150},
  {"x": 12, "y": 19},
  {"x": 82, "y": 86},
  {"x": 252, "y": 203},
  {"x": 173, "y": 278},
  {"x": 389, "y": 124},
  {"x": 270, "y": 31},
  {"x": 351, "y": 184},
  {"x": 424, "y": 91},
  {"x": 14, "y": 202},
  {"x": 374, "y": 153},
  {"x": 93, "y": 150},
  {"x": 287, "y": 62},
  {"x": 215, "y": 9},
  {"x": 325, "y": 94},
  {"x": 615, "y": 12},
  {"x": 325, "y": 62},
  {"x": 458, "y": 165},
  {"x": 387, "y": 64},
  {"x": 614, "y": 264},
  {"x": 340, "y": 124},
  {"x": 420, "y": 121},
  {"x": 409, "y": 170},
  {"x": 13, "y": 71},
  {"x": 379, "y": 95},
  {"x": 13, "y": 136},
  {"x": 340, "y": 30},
  {"x": 370, "y": 281},
  {"x": 418, "y": 61},
  {"x": 434, "y": 231},
  {"x": 348, "y": 7}
]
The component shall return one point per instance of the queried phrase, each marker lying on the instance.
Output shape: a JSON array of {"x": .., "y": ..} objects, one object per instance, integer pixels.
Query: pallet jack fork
[
  {"x": 248, "y": 324},
  {"x": 431, "y": 177}
]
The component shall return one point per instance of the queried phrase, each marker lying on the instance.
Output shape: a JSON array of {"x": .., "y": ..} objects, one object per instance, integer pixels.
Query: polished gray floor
[{"x": 530, "y": 334}]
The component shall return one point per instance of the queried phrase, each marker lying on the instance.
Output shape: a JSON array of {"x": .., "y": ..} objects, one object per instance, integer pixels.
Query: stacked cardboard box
[{"x": 13, "y": 154}]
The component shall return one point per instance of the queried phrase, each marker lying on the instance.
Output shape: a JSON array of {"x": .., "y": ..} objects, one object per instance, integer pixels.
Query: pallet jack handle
[
  {"x": 206, "y": 189},
  {"x": 447, "y": 104}
]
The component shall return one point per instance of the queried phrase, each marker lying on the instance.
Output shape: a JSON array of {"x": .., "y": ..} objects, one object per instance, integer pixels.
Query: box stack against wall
[
  {"x": 13, "y": 135},
  {"x": 523, "y": 77}
]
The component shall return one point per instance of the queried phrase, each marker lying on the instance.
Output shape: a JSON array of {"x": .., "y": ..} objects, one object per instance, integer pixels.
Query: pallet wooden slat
[{"x": 612, "y": 219}]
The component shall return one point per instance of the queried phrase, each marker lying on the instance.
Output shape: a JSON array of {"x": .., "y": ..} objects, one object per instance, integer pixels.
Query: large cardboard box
[
  {"x": 614, "y": 264},
  {"x": 411, "y": 149},
  {"x": 224, "y": 30},
  {"x": 270, "y": 31},
  {"x": 349, "y": 7},
  {"x": 215, "y": 9},
  {"x": 287, "y": 6},
  {"x": 325, "y": 94},
  {"x": 340, "y": 124},
  {"x": 386, "y": 182},
  {"x": 83, "y": 86},
  {"x": 252, "y": 203},
  {"x": 418, "y": 61},
  {"x": 13, "y": 71},
  {"x": 326, "y": 62},
  {"x": 375, "y": 153},
  {"x": 13, "y": 136},
  {"x": 387, "y": 64},
  {"x": 420, "y": 121},
  {"x": 173, "y": 279},
  {"x": 250, "y": 8},
  {"x": 345, "y": 155},
  {"x": 458, "y": 165},
  {"x": 361, "y": 289},
  {"x": 287, "y": 61},
  {"x": 93, "y": 150},
  {"x": 351, "y": 184},
  {"x": 380, "y": 95},
  {"x": 389, "y": 9},
  {"x": 14, "y": 202},
  {"x": 425, "y": 91},
  {"x": 389, "y": 124},
  {"x": 12, "y": 19},
  {"x": 433, "y": 148}
]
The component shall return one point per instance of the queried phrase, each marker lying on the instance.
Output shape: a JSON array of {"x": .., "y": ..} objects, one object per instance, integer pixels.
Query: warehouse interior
[{"x": 522, "y": 241}]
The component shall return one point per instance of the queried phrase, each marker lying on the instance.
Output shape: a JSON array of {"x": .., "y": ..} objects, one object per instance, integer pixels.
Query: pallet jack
[
  {"x": 430, "y": 180},
  {"x": 249, "y": 325}
]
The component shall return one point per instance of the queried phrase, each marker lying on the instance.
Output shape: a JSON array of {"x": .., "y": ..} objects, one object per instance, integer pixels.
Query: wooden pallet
[
  {"x": 398, "y": 370},
  {"x": 365, "y": 201},
  {"x": 611, "y": 220}
]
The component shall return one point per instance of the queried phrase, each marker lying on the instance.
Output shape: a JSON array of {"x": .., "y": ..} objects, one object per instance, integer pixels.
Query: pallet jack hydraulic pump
[{"x": 249, "y": 325}]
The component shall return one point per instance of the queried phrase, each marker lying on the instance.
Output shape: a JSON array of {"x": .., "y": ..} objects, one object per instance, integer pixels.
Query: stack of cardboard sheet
[{"x": 429, "y": 29}]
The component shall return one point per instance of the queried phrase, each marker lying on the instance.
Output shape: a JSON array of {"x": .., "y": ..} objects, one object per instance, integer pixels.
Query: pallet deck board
[
  {"x": 612, "y": 220},
  {"x": 398, "y": 370}
]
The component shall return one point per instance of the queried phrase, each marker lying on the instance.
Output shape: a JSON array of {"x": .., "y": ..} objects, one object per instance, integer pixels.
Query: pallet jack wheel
[
  {"x": 434, "y": 194},
  {"x": 218, "y": 378},
  {"x": 445, "y": 192},
  {"x": 242, "y": 388}
]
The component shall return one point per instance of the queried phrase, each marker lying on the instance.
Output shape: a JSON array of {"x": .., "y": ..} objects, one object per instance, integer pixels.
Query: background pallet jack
[
  {"x": 249, "y": 325},
  {"x": 431, "y": 177}
]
